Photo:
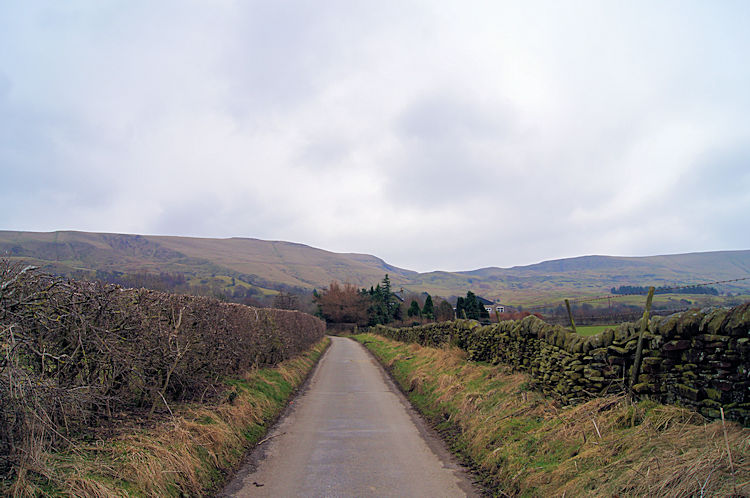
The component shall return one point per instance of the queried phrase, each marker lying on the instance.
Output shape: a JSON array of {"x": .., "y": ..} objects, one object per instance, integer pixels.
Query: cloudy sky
[{"x": 436, "y": 135}]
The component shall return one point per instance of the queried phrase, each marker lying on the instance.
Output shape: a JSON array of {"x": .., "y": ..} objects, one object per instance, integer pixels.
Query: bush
[{"x": 75, "y": 354}]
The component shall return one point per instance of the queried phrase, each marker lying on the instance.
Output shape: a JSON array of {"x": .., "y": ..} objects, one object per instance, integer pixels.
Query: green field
[{"x": 593, "y": 329}]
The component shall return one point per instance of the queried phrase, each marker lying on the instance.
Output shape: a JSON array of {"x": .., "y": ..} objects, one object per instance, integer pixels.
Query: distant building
[{"x": 495, "y": 308}]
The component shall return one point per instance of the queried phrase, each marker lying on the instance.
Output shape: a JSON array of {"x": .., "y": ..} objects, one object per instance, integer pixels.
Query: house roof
[{"x": 484, "y": 301}]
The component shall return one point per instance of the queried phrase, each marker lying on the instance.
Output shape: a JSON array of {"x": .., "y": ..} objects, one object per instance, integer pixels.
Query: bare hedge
[{"x": 75, "y": 354}]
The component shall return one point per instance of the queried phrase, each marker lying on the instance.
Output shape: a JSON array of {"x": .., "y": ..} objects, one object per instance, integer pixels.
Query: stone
[
  {"x": 643, "y": 388},
  {"x": 722, "y": 385},
  {"x": 711, "y": 403},
  {"x": 599, "y": 354},
  {"x": 618, "y": 351},
  {"x": 677, "y": 345},
  {"x": 687, "y": 391},
  {"x": 712, "y": 338},
  {"x": 714, "y": 321},
  {"x": 593, "y": 375},
  {"x": 689, "y": 376},
  {"x": 652, "y": 361}
]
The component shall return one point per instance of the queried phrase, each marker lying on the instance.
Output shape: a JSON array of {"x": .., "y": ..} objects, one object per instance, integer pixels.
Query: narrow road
[{"x": 351, "y": 433}]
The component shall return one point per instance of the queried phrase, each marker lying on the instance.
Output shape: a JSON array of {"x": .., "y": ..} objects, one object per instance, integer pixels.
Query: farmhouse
[{"x": 493, "y": 307}]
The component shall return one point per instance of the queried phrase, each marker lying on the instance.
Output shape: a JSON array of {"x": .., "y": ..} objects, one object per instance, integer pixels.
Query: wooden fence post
[
  {"x": 639, "y": 349},
  {"x": 570, "y": 315}
]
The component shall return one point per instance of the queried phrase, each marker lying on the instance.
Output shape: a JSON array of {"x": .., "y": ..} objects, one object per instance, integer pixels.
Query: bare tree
[{"x": 343, "y": 304}]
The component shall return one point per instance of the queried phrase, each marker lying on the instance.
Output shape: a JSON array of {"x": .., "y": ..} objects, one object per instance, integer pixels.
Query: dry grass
[
  {"x": 525, "y": 444},
  {"x": 186, "y": 454}
]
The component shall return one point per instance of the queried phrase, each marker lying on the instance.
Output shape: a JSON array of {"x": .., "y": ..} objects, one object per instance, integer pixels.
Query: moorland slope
[{"x": 273, "y": 265}]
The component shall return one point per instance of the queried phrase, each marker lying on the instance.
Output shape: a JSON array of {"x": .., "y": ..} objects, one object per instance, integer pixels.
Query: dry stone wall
[{"x": 698, "y": 359}]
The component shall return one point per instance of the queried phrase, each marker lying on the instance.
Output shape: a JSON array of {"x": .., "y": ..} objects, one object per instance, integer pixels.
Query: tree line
[
  {"x": 378, "y": 305},
  {"x": 470, "y": 307},
  {"x": 639, "y": 289}
]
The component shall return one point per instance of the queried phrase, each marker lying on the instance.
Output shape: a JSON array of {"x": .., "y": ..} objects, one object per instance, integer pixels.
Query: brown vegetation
[
  {"x": 343, "y": 303},
  {"x": 79, "y": 355},
  {"x": 187, "y": 454}
]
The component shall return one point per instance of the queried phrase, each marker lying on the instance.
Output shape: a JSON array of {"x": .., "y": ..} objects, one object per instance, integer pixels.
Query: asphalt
[{"x": 350, "y": 433}]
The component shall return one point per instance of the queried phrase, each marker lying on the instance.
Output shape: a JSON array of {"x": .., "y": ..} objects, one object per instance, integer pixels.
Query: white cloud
[{"x": 435, "y": 135}]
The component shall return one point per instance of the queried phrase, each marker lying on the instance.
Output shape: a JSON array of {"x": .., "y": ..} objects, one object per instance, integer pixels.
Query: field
[{"x": 592, "y": 329}]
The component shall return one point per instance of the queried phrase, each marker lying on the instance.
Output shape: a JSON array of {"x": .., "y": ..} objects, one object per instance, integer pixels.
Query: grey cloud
[
  {"x": 325, "y": 153},
  {"x": 283, "y": 54},
  {"x": 715, "y": 195},
  {"x": 210, "y": 215},
  {"x": 5, "y": 86},
  {"x": 453, "y": 117},
  {"x": 722, "y": 173},
  {"x": 450, "y": 150},
  {"x": 503, "y": 129}
]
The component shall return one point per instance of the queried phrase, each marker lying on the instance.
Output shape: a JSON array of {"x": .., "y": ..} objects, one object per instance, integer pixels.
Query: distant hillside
[
  {"x": 269, "y": 265},
  {"x": 265, "y": 264}
]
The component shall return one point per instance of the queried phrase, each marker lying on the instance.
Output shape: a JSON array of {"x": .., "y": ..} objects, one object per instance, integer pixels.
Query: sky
[{"x": 437, "y": 135}]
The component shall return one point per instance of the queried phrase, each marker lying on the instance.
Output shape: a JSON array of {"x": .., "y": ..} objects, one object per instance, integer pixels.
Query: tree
[
  {"x": 444, "y": 311},
  {"x": 471, "y": 307},
  {"x": 460, "y": 308},
  {"x": 429, "y": 308},
  {"x": 285, "y": 301},
  {"x": 384, "y": 306},
  {"x": 342, "y": 304},
  {"x": 414, "y": 310}
]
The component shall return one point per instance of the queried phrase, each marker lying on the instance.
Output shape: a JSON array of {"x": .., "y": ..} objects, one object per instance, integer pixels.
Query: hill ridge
[{"x": 292, "y": 265}]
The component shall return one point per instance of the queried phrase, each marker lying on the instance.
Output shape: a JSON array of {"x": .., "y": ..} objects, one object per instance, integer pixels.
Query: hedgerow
[{"x": 78, "y": 355}]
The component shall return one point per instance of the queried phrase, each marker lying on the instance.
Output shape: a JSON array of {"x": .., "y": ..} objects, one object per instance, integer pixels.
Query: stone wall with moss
[{"x": 696, "y": 359}]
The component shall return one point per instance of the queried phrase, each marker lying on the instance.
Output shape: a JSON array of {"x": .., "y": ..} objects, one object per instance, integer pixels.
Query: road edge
[
  {"x": 438, "y": 441},
  {"x": 256, "y": 453}
]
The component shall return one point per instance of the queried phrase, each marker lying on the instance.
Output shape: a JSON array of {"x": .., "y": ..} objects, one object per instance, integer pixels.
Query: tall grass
[
  {"x": 187, "y": 454},
  {"x": 525, "y": 444}
]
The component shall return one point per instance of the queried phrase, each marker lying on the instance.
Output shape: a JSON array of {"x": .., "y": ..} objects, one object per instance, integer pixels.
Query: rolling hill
[{"x": 273, "y": 265}]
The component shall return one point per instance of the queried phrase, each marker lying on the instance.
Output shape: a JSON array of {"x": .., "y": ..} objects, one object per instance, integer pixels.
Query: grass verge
[
  {"x": 188, "y": 454},
  {"x": 524, "y": 444}
]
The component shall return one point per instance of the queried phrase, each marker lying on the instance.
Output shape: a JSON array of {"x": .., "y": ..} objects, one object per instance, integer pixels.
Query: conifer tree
[
  {"x": 414, "y": 310},
  {"x": 460, "y": 308},
  {"x": 429, "y": 308},
  {"x": 471, "y": 306},
  {"x": 384, "y": 308}
]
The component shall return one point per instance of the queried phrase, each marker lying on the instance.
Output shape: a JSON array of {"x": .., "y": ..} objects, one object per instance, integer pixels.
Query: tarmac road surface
[{"x": 350, "y": 433}]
